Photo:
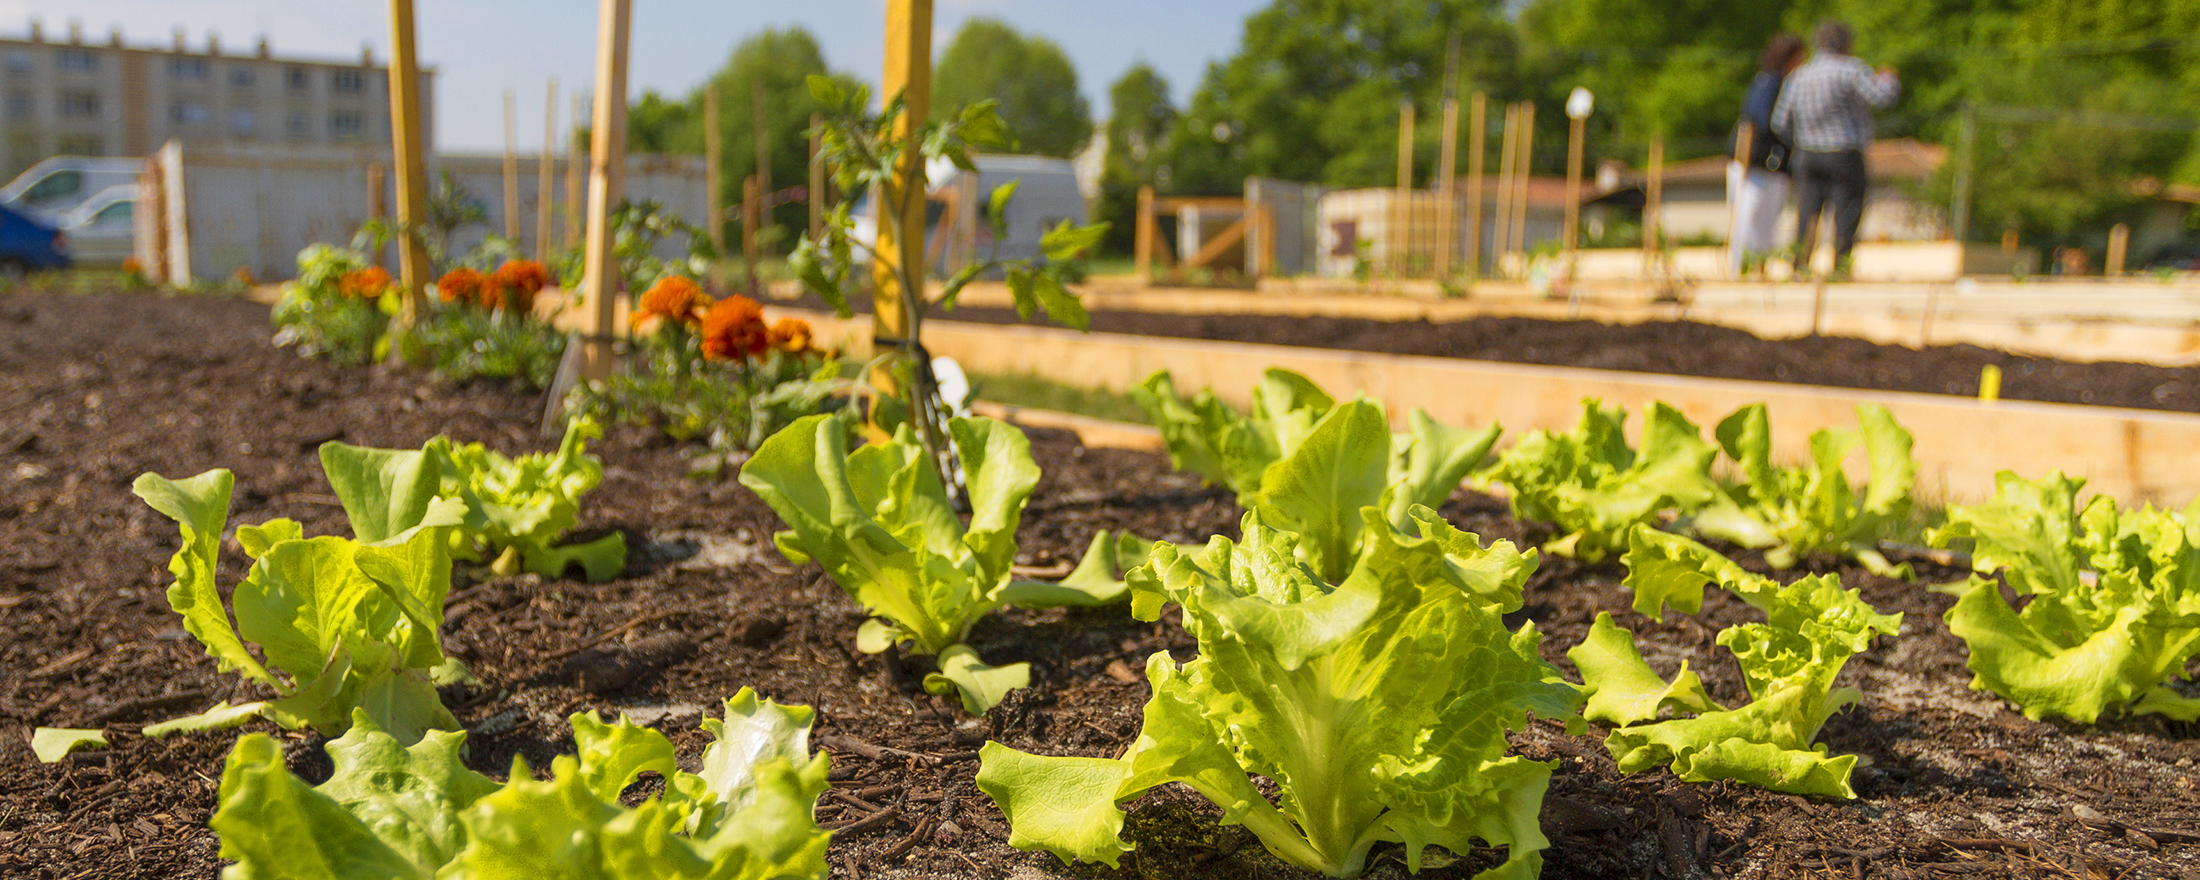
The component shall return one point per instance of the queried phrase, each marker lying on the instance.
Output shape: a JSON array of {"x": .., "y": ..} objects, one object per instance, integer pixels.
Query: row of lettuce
[{"x": 1352, "y": 643}]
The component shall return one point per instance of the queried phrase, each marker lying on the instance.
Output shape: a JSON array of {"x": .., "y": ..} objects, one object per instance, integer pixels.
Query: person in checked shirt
[{"x": 1825, "y": 112}]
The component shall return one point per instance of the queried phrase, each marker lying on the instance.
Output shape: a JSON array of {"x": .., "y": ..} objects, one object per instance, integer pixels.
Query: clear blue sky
[{"x": 482, "y": 48}]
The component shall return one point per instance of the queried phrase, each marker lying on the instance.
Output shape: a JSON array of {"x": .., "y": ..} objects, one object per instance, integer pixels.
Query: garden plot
[{"x": 1957, "y": 785}]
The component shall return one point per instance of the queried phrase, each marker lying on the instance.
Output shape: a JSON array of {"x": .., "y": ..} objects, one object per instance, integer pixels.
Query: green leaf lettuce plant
[
  {"x": 343, "y": 624},
  {"x": 515, "y": 508},
  {"x": 2111, "y": 600},
  {"x": 416, "y": 812},
  {"x": 1789, "y": 663},
  {"x": 1792, "y": 512},
  {"x": 1589, "y": 484},
  {"x": 1378, "y": 705},
  {"x": 879, "y": 521}
]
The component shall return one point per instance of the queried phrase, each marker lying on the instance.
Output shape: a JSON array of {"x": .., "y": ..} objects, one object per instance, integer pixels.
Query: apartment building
[{"x": 70, "y": 97}]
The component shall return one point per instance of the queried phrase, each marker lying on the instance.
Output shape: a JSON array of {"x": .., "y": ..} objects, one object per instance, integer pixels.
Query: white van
[
  {"x": 103, "y": 230},
  {"x": 59, "y": 184}
]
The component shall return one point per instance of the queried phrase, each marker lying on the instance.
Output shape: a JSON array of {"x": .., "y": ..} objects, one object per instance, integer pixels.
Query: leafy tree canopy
[{"x": 1029, "y": 75}]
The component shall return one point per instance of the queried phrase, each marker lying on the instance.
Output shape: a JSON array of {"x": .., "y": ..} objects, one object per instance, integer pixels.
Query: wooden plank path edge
[{"x": 2131, "y": 454}]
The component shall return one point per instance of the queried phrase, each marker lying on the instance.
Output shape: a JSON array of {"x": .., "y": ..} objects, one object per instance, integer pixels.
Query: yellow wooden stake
[
  {"x": 412, "y": 173},
  {"x": 606, "y": 159},
  {"x": 908, "y": 73},
  {"x": 1989, "y": 383}
]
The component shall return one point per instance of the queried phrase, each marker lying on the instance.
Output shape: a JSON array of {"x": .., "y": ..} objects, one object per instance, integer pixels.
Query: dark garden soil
[
  {"x": 1684, "y": 348},
  {"x": 97, "y": 389}
]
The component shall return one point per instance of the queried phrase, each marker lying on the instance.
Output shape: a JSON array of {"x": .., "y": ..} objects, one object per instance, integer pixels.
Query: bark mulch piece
[{"x": 97, "y": 389}]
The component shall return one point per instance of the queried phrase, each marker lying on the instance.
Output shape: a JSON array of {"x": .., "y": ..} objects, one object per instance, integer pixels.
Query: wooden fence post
[
  {"x": 2119, "y": 242},
  {"x": 1447, "y": 207},
  {"x": 412, "y": 174},
  {"x": 606, "y": 162},
  {"x": 1653, "y": 202}
]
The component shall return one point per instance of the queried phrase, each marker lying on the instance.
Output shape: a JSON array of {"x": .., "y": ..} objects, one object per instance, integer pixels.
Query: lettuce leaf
[
  {"x": 1378, "y": 705},
  {"x": 1789, "y": 663},
  {"x": 2082, "y": 646},
  {"x": 1285, "y": 438},
  {"x": 349, "y": 625},
  {"x": 1589, "y": 484},
  {"x": 396, "y": 811},
  {"x": 881, "y": 525},
  {"x": 1797, "y": 511}
]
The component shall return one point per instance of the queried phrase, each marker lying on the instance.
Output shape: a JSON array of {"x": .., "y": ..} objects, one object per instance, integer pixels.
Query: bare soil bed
[
  {"x": 1684, "y": 348},
  {"x": 97, "y": 389}
]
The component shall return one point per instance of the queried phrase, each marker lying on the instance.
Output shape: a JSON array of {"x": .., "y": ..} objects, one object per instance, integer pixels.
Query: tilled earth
[{"x": 97, "y": 389}]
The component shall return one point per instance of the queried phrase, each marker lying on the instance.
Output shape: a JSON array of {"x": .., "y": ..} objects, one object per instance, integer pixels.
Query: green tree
[
  {"x": 781, "y": 62},
  {"x": 1314, "y": 91},
  {"x": 1029, "y": 75},
  {"x": 656, "y": 124},
  {"x": 1140, "y": 120}
]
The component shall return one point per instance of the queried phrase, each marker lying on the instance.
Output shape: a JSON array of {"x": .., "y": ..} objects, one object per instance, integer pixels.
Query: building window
[
  {"x": 187, "y": 113},
  {"x": 241, "y": 77},
  {"x": 21, "y": 105},
  {"x": 80, "y": 105},
  {"x": 78, "y": 61},
  {"x": 296, "y": 79},
  {"x": 21, "y": 62},
  {"x": 346, "y": 82},
  {"x": 297, "y": 126},
  {"x": 241, "y": 122},
  {"x": 189, "y": 68},
  {"x": 80, "y": 145},
  {"x": 345, "y": 123}
]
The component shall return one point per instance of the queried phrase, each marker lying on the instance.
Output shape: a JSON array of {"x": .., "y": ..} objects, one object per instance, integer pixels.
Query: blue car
[{"x": 29, "y": 245}]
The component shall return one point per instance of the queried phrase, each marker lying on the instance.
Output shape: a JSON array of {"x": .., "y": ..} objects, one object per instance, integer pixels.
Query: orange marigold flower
[
  {"x": 674, "y": 299},
  {"x": 460, "y": 285},
  {"x": 366, "y": 283},
  {"x": 734, "y": 329},
  {"x": 791, "y": 335},
  {"x": 527, "y": 276},
  {"x": 131, "y": 266}
]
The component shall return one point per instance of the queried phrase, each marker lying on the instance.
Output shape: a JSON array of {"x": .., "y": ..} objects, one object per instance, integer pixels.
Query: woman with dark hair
[{"x": 1757, "y": 184}]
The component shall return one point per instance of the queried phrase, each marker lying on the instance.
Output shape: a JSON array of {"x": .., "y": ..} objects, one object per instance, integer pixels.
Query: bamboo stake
[
  {"x": 817, "y": 177},
  {"x": 1742, "y": 143},
  {"x": 511, "y": 166},
  {"x": 1401, "y": 238},
  {"x": 1526, "y": 170},
  {"x": 412, "y": 186},
  {"x": 762, "y": 129},
  {"x": 574, "y": 196},
  {"x": 1446, "y": 208},
  {"x": 752, "y": 202},
  {"x": 714, "y": 157},
  {"x": 606, "y": 161},
  {"x": 1477, "y": 146},
  {"x": 908, "y": 73},
  {"x": 1142, "y": 238},
  {"x": 1502, "y": 216},
  {"x": 2119, "y": 241},
  {"x": 1655, "y": 201},
  {"x": 543, "y": 184}
]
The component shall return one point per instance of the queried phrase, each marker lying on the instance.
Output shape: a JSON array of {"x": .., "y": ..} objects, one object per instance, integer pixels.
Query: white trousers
[{"x": 1757, "y": 199}]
